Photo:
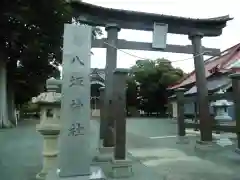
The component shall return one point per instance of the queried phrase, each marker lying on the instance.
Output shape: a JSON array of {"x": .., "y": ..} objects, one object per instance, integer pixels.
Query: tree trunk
[
  {"x": 4, "y": 121},
  {"x": 11, "y": 104}
]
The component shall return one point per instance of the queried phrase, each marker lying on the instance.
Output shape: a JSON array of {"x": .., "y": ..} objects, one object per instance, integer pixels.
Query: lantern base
[{"x": 223, "y": 118}]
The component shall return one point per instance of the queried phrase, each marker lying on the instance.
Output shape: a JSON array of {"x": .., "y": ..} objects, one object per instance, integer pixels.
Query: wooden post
[
  {"x": 195, "y": 115},
  {"x": 119, "y": 111},
  {"x": 105, "y": 154},
  {"x": 202, "y": 91},
  {"x": 121, "y": 167},
  {"x": 236, "y": 98},
  {"x": 180, "y": 116},
  {"x": 102, "y": 115}
]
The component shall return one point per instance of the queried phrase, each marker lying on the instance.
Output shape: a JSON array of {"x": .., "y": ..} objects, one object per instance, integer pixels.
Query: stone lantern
[
  {"x": 50, "y": 104},
  {"x": 221, "y": 109}
]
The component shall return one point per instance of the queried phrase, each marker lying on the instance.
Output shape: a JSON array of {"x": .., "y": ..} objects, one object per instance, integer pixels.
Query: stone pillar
[
  {"x": 202, "y": 91},
  {"x": 120, "y": 166},
  {"x": 75, "y": 151},
  {"x": 236, "y": 98},
  {"x": 111, "y": 64},
  {"x": 75, "y": 157},
  {"x": 182, "y": 139},
  {"x": 4, "y": 121},
  {"x": 49, "y": 126}
]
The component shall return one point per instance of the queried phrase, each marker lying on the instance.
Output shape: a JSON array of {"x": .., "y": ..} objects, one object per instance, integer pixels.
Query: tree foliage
[
  {"x": 148, "y": 82},
  {"x": 30, "y": 42},
  {"x": 31, "y": 38}
]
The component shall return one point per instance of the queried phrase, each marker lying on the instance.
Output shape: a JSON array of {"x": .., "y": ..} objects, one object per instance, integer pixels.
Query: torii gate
[{"x": 113, "y": 20}]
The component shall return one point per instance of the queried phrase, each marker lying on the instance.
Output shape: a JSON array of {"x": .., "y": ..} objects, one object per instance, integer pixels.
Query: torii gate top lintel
[{"x": 101, "y": 16}]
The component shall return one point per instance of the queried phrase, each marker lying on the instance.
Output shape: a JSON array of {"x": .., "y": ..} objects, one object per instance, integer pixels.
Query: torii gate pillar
[
  {"x": 202, "y": 91},
  {"x": 111, "y": 64}
]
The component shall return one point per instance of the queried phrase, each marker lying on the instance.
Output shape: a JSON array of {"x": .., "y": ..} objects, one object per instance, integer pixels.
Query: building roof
[
  {"x": 212, "y": 84},
  {"x": 215, "y": 64},
  {"x": 101, "y": 16},
  {"x": 98, "y": 74}
]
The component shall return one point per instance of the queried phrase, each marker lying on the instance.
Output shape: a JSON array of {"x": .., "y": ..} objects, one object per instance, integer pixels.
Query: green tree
[
  {"x": 132, "y": 100},
  {"x": 153, "y": 78},
  {"x": 31, "y": 38},
  {"x": 30, "y": 42}
]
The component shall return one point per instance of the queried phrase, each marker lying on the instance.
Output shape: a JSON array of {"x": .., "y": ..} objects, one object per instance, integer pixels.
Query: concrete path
[
  {"x": 20, "y": 152},
  {"x": 151, "y": 145}
]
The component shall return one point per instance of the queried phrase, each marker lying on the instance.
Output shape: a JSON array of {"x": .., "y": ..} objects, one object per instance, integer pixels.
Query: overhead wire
[{"x": 133, "y": 55}]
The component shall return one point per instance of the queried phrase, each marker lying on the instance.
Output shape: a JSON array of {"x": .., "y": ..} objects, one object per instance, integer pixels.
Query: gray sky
[{"x": 185, "y": 8}]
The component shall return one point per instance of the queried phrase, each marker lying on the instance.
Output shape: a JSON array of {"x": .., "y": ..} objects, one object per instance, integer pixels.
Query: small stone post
[
  {"x": 121, "y": 167},
  {"x": 49, "y": 127},
  {"x": 182, "y": 139},
  {"x": 236, "y": 98}
]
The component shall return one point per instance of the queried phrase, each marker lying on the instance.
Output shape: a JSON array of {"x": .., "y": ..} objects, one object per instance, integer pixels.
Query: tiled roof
[
  {"x": 212, "y": 65},
  {"x": 232, "y": 61},
  {"x": 212, "y": 84}
]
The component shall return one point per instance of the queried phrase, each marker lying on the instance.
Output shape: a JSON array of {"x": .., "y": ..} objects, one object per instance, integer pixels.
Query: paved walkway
[
  {"x": 20, "y": 152},
  {"x": 151, "y": 145}
]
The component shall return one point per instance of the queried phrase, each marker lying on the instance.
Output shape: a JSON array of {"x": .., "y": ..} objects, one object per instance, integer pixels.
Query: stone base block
[
  {"x": 103, "y": 157},
  {"x": 121, "y": 168},
  {"x": 96, "y": 113},
  {"x": 205, "y": 145},
  {"x": 49, "y": 162},
  {"x": 182, "y": 140},
  {"x": 106, "y": 150},
  {"x": 100, "y": 143},
  {"x": 105, "y": 154},
  {"x": 96, "y": 174}
]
